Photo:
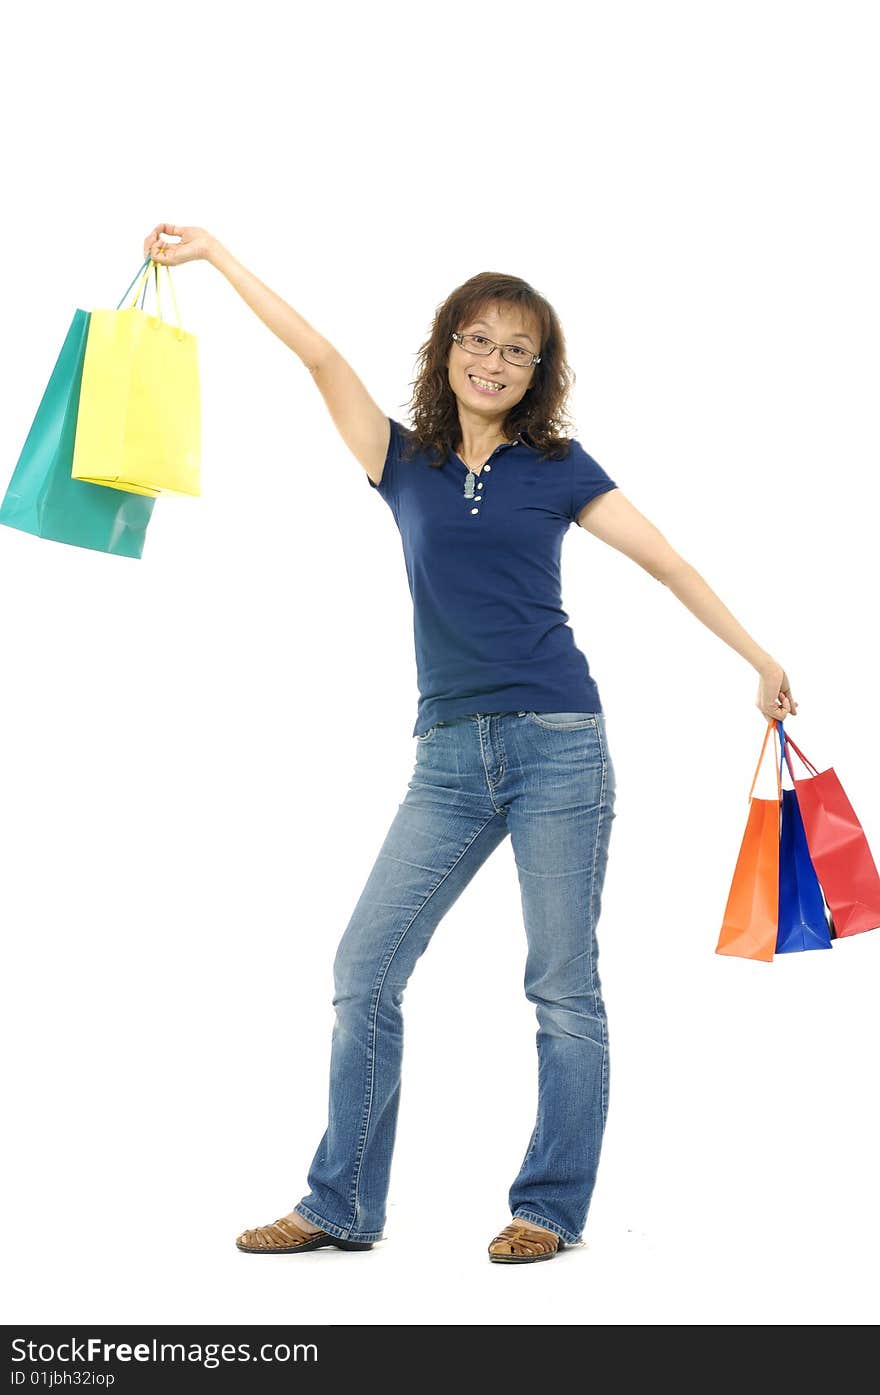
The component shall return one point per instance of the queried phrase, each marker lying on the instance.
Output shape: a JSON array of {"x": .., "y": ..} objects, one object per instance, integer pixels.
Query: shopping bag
[
  {"x": 803, "y": 923},
  {"x": 750, "y": 921},
  {"x": 42, "y": 498},
  {"x": 139, "y": 426},
  {"x": 838, "y": 848}
]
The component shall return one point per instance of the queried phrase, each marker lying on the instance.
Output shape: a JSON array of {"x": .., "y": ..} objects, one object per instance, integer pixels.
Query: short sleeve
[
  {"x": 387, "y": 486},
  {"x": 588, "y": 479}
]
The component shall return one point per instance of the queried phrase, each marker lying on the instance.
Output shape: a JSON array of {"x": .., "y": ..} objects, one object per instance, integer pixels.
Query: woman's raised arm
[{"x": 361, "y": 423}]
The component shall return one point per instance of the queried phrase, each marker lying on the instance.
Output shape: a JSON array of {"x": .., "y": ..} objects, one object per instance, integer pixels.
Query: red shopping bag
[
  {"x": 751, "y": 916},
  {"x": 838, "y": 849}
]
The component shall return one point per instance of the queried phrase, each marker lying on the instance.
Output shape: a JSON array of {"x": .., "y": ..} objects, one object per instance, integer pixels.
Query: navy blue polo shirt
[{"x": 484, "y": 575}]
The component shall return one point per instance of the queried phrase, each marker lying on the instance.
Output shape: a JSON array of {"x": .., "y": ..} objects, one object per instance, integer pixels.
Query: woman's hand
[
  {"x": 774, "y": 698},
  {"x": 193, "y": 246}
]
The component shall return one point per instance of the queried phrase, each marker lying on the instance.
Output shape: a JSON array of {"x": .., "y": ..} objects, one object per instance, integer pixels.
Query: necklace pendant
[{"x": 469, "y": 484}]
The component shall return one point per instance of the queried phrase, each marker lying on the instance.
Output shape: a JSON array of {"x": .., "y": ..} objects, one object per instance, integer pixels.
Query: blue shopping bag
[
  {"x": 803, "y": 922},
  {"x": 42, "y": 498}
]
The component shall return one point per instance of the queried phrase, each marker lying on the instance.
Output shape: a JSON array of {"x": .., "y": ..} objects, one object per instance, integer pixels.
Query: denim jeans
[{"x": 545, "y": 778}]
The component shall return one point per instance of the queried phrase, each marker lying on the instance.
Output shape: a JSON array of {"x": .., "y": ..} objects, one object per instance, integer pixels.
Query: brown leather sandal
[
  {"x": 285, "y": 1238},
  {"x": 521, "y": 1243}
]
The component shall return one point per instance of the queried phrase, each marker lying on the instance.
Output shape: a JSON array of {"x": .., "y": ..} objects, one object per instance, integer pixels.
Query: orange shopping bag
[{"x": 751, "y": 916}]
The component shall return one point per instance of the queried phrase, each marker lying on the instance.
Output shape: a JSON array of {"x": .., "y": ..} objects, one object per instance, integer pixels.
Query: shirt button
[
  {"x": 480, "y": 485},
  {"x": 487, "y": 467},
  {"x": 475, "y": 510}
]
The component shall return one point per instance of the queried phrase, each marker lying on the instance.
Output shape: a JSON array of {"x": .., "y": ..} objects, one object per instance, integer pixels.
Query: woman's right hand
[{"x": 194, "y": 244}]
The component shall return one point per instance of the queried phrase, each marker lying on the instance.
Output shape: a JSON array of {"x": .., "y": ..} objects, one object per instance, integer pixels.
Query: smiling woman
[
  {"x": 492, "y": 369},
  {"x": 511, "y": 739}
]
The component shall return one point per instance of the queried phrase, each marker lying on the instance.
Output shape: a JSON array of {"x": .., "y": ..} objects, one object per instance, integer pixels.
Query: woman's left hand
[{"x": 774, "y": 698}]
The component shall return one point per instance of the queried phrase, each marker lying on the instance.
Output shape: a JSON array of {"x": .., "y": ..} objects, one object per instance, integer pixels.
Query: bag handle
[
  {"x": 144, "y": 272},
  {"x": 131, "y": 283},
  {"x": 808, "y": 763},
  {"x": 770, "y": 727},
  {"x": 783, "y": 753},
  {"x": 142, "y": 296}
]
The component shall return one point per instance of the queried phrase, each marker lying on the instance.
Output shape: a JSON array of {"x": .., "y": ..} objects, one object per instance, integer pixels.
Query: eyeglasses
[{"x": 511, "y": 353}]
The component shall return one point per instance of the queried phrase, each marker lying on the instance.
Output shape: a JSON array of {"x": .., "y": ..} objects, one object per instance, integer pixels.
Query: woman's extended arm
[
  {"x": 281, "y": 318},
  {"x": 774, "y": 698},
  {"x": 360, "y": 421},
  {"x": 616, "y": 521}
]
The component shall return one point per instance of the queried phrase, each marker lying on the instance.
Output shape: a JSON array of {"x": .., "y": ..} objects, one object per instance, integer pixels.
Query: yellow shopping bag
[{"x": 139, "y": 423}]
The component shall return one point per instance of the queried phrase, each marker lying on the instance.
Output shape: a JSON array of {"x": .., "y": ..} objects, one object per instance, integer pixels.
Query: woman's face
[{"x": 504, "y": 324}]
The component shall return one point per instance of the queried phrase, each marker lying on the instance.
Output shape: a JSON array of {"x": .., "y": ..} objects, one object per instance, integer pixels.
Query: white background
[{"x": 203, "y": 749}]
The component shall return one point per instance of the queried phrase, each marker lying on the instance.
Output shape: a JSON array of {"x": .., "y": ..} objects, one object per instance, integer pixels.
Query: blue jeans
[{"x": 545, "y": 778}]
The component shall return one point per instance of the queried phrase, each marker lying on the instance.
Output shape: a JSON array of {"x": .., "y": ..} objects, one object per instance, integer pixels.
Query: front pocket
[
  {"x": 426, "y": 735},
  {"x": 564, "y": 721}
]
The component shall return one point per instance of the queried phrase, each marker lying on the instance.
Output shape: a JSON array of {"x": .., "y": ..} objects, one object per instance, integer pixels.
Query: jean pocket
[
  {"x": 425, "y": 735},
  {"x": 564, "y": 721}
]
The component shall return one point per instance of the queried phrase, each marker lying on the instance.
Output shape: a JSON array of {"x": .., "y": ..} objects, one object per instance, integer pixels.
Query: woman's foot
[
  {"x": 522, "y": 1242},
  {"x": 290, "y": 1234}
]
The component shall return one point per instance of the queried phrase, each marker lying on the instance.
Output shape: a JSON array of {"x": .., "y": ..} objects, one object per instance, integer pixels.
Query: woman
[{"x": 511, "y": 735}]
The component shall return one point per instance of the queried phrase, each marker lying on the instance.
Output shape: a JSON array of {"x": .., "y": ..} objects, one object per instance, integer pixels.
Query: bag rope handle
[
  {"x": 770, "y": 727},
  {"x": 808, "y": 763},
  {"x": 144, "y": 272}
]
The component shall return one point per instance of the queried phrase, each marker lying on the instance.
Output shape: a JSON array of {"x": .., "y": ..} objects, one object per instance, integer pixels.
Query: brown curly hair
[{"x": 540, "y": 414}]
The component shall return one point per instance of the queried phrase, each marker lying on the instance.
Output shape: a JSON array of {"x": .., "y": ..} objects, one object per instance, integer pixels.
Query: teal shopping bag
[{"x": 42, "y": 497}]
